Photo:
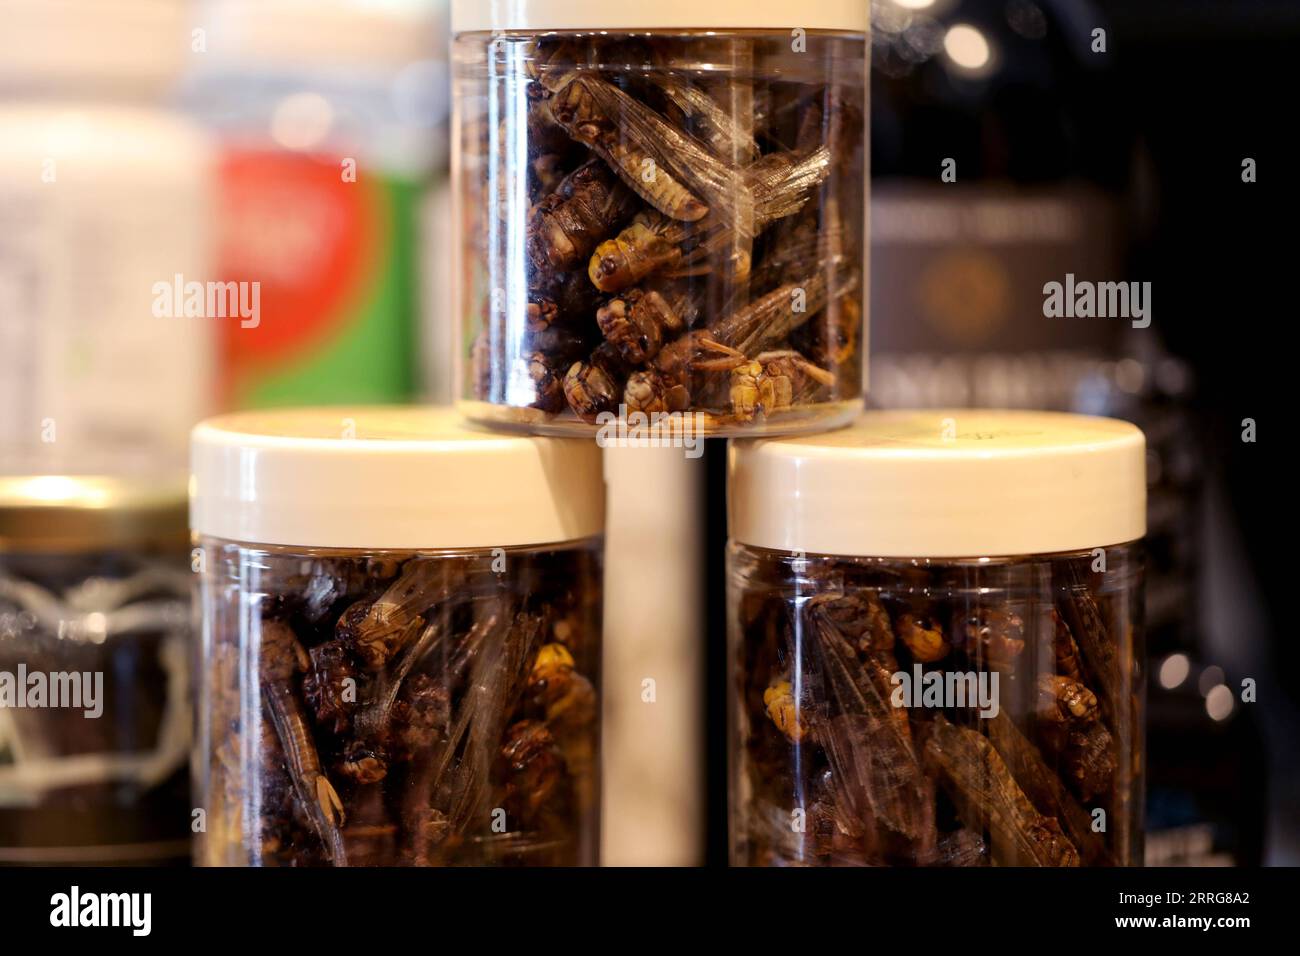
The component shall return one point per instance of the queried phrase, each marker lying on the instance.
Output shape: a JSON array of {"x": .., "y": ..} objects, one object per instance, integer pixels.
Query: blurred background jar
[
  {"x": 105, "y": 200},
  {"x": 330, "y": 119},
  {"x": 95, "y": 632}
]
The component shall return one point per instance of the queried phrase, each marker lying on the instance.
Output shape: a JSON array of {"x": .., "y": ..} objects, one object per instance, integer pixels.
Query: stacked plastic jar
[
  {"x": 937, "y": 642},
  {"x": 661, "y": 213},
  {"x": 401, "y": 641}
]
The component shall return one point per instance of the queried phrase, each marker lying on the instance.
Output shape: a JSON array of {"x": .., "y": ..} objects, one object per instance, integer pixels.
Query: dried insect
[
  {"x": 783, "y": 710},
  {"x": 666, "y": 167},
  {"x": 656, "y": 242},
  {"x": 923, "y": 637},
  {"x": 594, "y": 386},
  {"x": 1063, "y": 700},
  {"x": 640, "y": 320},
  {"x": 683, "y": 367},
  {"x": 1045, "y": 789},
  {"x": 534, "y": 771},
  {"x": 988, "y": 797},
  {"x": 1087, "y": 755},
  {"x": 1065, "y": 650},
  {"x": 776, "y": 381},
  {"x": 566, "y": 225},
  {"x": 869, "y": 747},
  {"x": 282, "y": 657},
  {"x": 994, "y": 636},
  {"x": 362, "y": 764},
  {"x": 329, "y": 683}
]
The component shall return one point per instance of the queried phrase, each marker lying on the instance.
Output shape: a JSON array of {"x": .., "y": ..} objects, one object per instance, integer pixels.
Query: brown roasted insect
[
  {"x": 1045, "y": 789},
  {"x": 568, "y": 702},
  {"x": 1063, "y": 700},
  {"x": 663, "y": 165},
  {"x": 1078, "y": 609},
  {"x": 923, "y": 637},
  {"x": 282, "y": 657},
  {"x": 783, "y": 710},
  {"x": 362, "y": 764},
  {"x": 330, "y": 686},
  {"x": 554, "y": 353},
  {"x": 653, "y": 242},
  {"x": 566, "y": 225},
  {"x": 534, "y": 772},
  {"x": 640, "y": 320},
  {"x": 988, "y": 797},
  {"x": 1065, "y": 650},
  {"x": 560, "y": 302},
  {"x": 594, "y": 386},
  {"x": 776, "y": 381},
  {"x": 376, "y": 630},
  {"x": 1086, "y": 753},
  {"x": 994, "y": 637},
  {"x": 869, "y": 747},
  {"x": 669, "y": 382}
]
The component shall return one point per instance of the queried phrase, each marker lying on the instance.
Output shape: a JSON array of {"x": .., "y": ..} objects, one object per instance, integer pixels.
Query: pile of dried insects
[
  {"x": 837, "y": 766},
  {"x": 399, "y": 709},
  {"x": 664, "y": 223}
]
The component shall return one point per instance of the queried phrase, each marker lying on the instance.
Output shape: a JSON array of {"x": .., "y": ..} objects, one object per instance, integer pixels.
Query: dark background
[{"x": 1161, "y": 122}]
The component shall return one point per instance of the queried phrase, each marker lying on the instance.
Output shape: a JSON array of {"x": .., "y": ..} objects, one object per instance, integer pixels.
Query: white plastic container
[
  {"x": 401, "y": 641},
  {"x": 936, "y": 630}
]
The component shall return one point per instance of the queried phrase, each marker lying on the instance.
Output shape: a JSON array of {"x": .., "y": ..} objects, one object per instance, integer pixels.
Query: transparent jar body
[
  {"x": 95, "y": 706},
  {"x": 398, "y": 708},
  {"x": 666, "y": 225},
  {"x": 936, "y": 712}
]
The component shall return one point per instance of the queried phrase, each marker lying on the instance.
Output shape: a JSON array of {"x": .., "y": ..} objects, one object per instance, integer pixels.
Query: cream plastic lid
[
  {"x": 958, "y": 483},
  {"x": 849, "y": 16},
  {"x": 375, "y": 478}
]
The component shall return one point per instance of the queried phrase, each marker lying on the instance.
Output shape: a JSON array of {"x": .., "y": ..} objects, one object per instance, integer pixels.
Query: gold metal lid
[{"x": 54, "y": 513}]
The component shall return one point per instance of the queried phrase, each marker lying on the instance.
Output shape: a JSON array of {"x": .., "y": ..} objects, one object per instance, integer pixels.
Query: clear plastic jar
[
  {"x": 431, "y": 697},
  {"x": 936, "y": 639},
  {"x": 661, "y": 212},
  {"x": 95, "y": 632}
]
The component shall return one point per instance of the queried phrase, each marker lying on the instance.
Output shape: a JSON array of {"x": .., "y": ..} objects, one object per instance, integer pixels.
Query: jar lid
[
  {"x": 943, "y": 484},
  {"x": 375, "y": 478},
  {"x": 67, "y": 513},
  {"x": 839, "y": 15}
]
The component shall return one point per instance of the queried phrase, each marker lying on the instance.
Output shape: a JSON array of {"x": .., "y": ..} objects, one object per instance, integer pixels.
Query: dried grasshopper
[
  {"x": 1045, "y": 789},
  {"x": 676, "y": 372},
  {"x": 282, "y": 658},
  {"x": 779, "y": 186},
  {"x": 988, "y": 798}
]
